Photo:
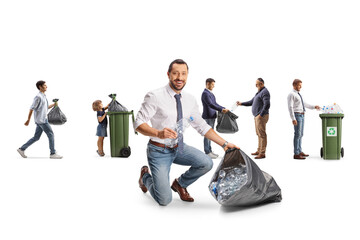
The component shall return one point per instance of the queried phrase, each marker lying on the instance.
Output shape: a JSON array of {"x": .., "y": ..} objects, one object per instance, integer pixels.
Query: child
[{"x": 101, "y": 131}]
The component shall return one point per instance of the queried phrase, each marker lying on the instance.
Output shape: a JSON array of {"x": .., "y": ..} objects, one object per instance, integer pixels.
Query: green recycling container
[
  {"x": 331, "y": 136},
  {"x": 119, "y": 133}
]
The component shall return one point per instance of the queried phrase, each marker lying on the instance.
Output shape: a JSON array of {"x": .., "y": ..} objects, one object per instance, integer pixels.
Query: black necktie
[{"x": 180, "y": 124}]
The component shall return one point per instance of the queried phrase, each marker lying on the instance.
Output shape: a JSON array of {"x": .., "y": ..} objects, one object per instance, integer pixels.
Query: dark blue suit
[{"x": 210, "y": 108}]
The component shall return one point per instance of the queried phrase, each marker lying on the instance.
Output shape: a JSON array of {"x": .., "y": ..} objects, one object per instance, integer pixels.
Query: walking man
[
  {"x": 40, "y": 107},
  {"x": 297, "y": 106},
  {"x": 164, "y": 107},
  {"x": 260, "y": 109},
  {"x": 210, "y": 107}
]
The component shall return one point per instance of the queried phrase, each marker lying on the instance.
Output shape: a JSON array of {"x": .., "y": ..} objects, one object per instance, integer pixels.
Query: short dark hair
[
  {"x": 39, "y": 84},
  {"x": 209, "y": 80},
  {"x": 261, "y": 80},
  {"x": 296, "y": 82},
  {"x": 177, "y": 61}
]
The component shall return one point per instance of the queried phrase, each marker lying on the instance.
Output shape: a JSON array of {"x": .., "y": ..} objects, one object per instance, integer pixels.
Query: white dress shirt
[
  {"x": 159, "y": 107},
  {"x": 295, "y": 105}
]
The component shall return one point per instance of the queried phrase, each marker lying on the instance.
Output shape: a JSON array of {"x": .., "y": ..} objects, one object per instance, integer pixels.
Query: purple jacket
[{"x": 210, "y": 107}]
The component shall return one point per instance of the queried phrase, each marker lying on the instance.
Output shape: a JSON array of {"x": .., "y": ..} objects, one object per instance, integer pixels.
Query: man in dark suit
[{"x": 210, "y": 107}]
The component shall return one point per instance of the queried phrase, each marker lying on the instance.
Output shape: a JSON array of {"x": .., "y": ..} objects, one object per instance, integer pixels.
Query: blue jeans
[
  {"x": 160, "y": 160},
  {"x": 298, "y": 133},
  {"x": 44, "y": 127},
  {"x": 207, "y": 142}
]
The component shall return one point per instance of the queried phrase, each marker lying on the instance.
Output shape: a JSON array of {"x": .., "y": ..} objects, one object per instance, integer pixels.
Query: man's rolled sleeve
[
  {"x": 147, "y": 110},
  {"x": 36, "y": 103}
]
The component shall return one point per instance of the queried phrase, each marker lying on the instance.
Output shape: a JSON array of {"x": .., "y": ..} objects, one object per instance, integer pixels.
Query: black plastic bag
[
  {"x": 238, "y": 181},
  {"x": 56, "y": 116},
  {"x": 226, "y": 123},
  {"x": 115, "y": 106}
]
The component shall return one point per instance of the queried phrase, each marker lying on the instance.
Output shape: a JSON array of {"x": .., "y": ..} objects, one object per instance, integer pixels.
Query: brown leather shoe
[
  {"x": 144, "y": 170},
  {"x": 303, "y": 154},
  {"x": 260, "y": 156},
  {"x": 255, "y": 153},
  {"x": 299, "y": 157},
  {"x": 183, "y": 193}
]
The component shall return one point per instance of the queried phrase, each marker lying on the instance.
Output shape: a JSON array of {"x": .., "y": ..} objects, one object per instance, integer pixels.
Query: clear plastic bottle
[
  {"x": 332, "y": 109},
  {"x": 179, "y": 128},
  {"x": 234, "y": 106},
  {"x": 323, "y": 109},
  {"x": 228, "y": 183},
  {"x": 337, "y": 108}
]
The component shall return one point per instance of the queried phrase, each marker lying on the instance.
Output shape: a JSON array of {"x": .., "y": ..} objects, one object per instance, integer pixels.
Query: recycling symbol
[{"x": 331, "y": 131}]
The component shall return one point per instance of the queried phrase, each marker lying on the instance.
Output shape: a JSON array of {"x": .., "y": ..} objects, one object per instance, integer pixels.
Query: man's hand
[
  {"x": 238, "y": 103},
  {"x": 230, "y": 145},
  {"x": 27, "y": 122},
  {"x": 294, "y": 122},
  {"x": 225, "y": 110},
  {"x": 317, "y": 107},
  {"x": 259, "y": 116},
  {"x": 52, "y": 105},
  {"x": 166, "y": 133}
]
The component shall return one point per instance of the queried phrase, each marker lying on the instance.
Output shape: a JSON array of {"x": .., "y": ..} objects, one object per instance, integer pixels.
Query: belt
[
  {"x": 161, "y": 145},
  {"x": 300, "y": 113}
]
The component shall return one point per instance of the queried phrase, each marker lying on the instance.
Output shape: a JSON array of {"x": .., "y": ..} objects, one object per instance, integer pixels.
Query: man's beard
[{"x": 173, "y": 85}]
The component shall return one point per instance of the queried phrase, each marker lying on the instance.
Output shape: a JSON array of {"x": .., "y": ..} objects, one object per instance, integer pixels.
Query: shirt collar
[
  {"x": 208, "y": 90},
  {"x": 170, "y": 90},
  {"x": 295, "y": 91}
]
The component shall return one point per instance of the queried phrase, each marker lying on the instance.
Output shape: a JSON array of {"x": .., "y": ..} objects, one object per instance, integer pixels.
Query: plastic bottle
[
  {"x": 234, "y": 106},
  {"x": 337, "y": 108},
  {"x": 229, "y": 183},
  {"x": 179, "y": 128},
  {"x": 332, "y": 109},
  {"x": 323, "y": 109}
]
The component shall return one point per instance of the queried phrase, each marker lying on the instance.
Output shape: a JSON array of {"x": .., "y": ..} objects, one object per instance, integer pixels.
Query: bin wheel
[
  {"x": 125, "y": 152},
  {"x": 342, "y": 152},
  {"x": 321, "y": 152}
]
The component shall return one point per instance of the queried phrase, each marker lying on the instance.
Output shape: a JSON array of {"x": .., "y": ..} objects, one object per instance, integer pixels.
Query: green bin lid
[
  {"x": 331, "y": 115},
  {"x": 116, "y": 113}
]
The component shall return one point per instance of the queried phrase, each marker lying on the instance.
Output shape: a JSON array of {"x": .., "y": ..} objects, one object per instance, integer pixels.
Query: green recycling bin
[
  {"x": 119, "y": 133},
  {"x": 331, "y": 136}
]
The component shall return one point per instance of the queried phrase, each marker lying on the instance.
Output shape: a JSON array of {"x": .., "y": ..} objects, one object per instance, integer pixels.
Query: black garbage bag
[
  {"x": 238, "y": 181},
  {"x": 226, "y": 123},
  {"x": 56, "y": 116},
  {"x": 115, "y": 106}
]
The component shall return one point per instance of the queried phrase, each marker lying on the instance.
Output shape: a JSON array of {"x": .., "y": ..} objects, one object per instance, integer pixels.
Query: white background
[{"x": 86, "y": 50}]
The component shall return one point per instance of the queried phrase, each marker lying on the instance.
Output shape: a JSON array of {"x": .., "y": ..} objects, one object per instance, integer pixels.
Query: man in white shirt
[
  {"x": 297, "y": 106},
  {"x": 165, "y": 107},
  {"x": 40, "y": 107}
]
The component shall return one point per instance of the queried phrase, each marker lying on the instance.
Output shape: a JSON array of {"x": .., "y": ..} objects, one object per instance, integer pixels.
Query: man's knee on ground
[{"x": 163, "y": 201}]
